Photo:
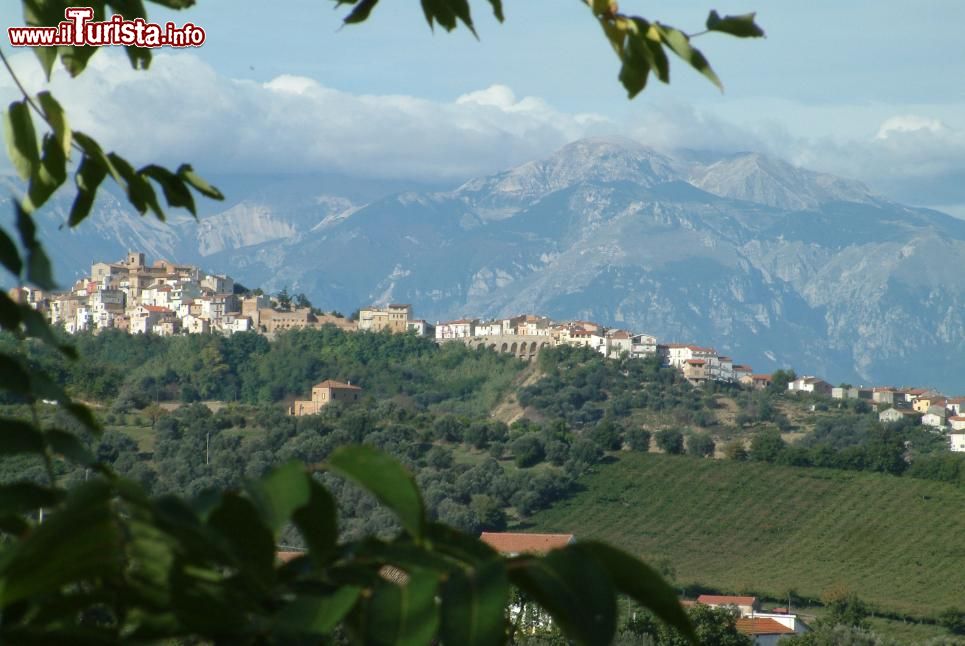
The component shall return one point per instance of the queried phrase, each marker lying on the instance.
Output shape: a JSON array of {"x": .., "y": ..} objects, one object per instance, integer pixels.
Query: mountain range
[{"x": 771, "y": 264}]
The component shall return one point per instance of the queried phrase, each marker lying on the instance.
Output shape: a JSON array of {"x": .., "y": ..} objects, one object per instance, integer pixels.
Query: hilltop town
[{"x": 168, "y": 299}]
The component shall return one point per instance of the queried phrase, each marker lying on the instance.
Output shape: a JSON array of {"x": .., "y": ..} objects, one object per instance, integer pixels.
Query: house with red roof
[
  {"x": 746, "y": 605},
  {"x": 765, "y": 631}
]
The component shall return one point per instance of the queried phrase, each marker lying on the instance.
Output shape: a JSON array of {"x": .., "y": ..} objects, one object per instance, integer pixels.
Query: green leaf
[
  {"x": 280, "y": 493},
  {"x": 641, "y": 583},
  {"x": 474, "y": 605},
  {"x": 742, "y": 26},
  {"x": 175, "y": 190},
  {"x": 247, "y": 538},
  {"x": 9, "y": 256},
  {"x": 387, "y": 480},
  {"x": 314, "y": 615},
  {"x": 24, "y": 497},
  {"x": 57, "y": 119},
  {"x": 38, "y": 265},
  {"x": 49, "y": 175},
  {"x": 13, "y": 377},
  {"x": 361, "y": 11},
  {"x": 459, "y": 545},
  {"x": 679, "y": 44},
  {"x": 187, "y": 173},
  {"x": 447, "y": 13},
  {"x": 47, "y": 57},
  {"x": 17, "y": 436},
  {"x": 10, "y": 313},
  {"x": 88, "y": 178},
  {"x": 35, "y": 325},
  {"x": 317, "y": 523},
  {"x": 402, "y": 615},
  {"x": 18, "y": 131},
  {"x": 139, "y": 191},
  {"x": 69, "y": 446},
  {"x": 498, "y": 9},
  {"x": 574, "y": 589},
  {"x": 93, "y": 149},
  {"x": 83, "y": 415},
  {"x": 44, "y": 562}
]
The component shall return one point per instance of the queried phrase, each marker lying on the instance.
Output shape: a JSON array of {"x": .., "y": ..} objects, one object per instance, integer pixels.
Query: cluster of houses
[
  {"x": 165, "y": 299},
  {"x": 525, "y": 335},
  {"x": 918, "y": 405}
]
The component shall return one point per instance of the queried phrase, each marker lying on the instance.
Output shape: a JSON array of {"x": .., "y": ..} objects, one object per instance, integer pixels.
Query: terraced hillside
[{"x": 899, "y": 543}]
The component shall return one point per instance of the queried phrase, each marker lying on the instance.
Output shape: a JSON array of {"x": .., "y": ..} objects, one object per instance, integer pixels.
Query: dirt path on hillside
[{"x": 508, "y": 409}]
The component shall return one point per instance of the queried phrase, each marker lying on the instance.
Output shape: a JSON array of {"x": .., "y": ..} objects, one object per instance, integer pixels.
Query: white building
[
  {"x": 956, "y": 441},
  {"x": 459, "y": 329},
  {"x": 643, "y": 345}
]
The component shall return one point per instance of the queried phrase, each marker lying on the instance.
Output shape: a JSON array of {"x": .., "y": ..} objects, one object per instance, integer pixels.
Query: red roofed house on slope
[
  {"x": 765, "y": 631},
  {"x": 512, "y": 544}
]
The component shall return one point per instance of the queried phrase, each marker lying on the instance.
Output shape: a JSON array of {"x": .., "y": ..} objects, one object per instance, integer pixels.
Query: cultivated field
[{"x": 898, "y": 543}]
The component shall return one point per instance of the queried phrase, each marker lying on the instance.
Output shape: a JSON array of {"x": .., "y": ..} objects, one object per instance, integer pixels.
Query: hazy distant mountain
[{"x": 773, "y": 264}]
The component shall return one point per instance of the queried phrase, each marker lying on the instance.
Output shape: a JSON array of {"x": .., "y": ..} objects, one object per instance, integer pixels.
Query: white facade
[
  {"x": 956, "y": 441},
  {"x": 461, "y": 329},
  {"x": 933, "y": 419}
]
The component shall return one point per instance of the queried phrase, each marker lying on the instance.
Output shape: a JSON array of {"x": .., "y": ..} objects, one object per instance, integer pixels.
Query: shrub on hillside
[
  {"x": 767, "y": 446},
  {"x": 700, "y": 445},
  {"x": 638, "y": 439},
  {"x": 670, "y": 441},
  {"x": 527, "y": 451}
]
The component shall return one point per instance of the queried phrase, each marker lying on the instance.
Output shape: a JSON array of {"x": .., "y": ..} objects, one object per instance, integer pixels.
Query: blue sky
[{"x": 873, "y": 90}]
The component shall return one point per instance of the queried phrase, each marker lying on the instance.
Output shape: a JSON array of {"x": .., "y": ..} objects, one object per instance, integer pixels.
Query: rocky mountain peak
[{"x": 774, "y": 182}]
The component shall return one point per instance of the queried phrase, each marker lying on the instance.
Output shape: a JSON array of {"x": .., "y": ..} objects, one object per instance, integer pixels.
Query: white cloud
[
  {"x": 182, "y": 110},
  {"x": 908, "y": 123}
]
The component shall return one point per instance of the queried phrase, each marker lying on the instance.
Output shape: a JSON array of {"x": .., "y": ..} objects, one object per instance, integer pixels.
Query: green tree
[
  {"x": 639, "y": 439},
  {"x": 953, "y": 619},
  {"x": 670, "y": 441},
  {"x": 767, "y": 446},
  {"x": 700, "y": 445},
  {"x": 527, "y": 451}
]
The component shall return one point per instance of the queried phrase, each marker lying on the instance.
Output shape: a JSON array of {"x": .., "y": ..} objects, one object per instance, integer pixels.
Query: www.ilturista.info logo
[{"x": 79, "y": 29}]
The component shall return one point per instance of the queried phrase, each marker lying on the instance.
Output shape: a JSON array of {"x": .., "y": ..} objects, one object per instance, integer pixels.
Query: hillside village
[{"x": 168, "y": 299}]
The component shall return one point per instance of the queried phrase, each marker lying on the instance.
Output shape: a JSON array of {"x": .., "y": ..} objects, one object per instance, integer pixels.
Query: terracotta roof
[
  {"x": 762, "y": 626},
  {"x": 725, "y": 600},
  {"x": 957, "y": 418},
  {"x": 761, "y": 377},
  {"x": 511, "y": 543},
  {"x": 742, "y": 368},
  {"x": 619, "y": 334},
  {"x": 696, "y": 362},
  {"x": 287, "y": 556},
  {"x": 157, "y": 308},
  {"x": 331, "y": 383}
]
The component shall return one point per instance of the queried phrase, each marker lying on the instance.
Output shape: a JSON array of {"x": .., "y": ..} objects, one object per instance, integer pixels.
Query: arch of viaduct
[{"x": 523, "y": 346}]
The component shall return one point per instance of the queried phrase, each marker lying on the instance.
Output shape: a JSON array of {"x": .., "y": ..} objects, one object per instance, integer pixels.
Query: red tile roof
[
  {"x": 725, "y": 600},
  {"x": 696, "y": 362},
  {"x": 957, "y": 418},
  {"x": 762, "y": 626},
  {"x": 157, "y": 308},
  {"x": 331, "y": 383},
  {"x": 512, "y": 543}
]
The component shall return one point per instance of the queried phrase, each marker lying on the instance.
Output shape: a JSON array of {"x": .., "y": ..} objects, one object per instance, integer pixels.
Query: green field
[{"x": 899, "y": 543}]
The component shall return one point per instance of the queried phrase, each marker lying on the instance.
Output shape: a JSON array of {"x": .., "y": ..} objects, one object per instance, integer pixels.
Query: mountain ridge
[{"x": 776, "y": 265}]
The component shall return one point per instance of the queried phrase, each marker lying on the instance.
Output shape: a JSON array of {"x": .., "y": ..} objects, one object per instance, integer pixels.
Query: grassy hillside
[{"x": 899, "y": 543}]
